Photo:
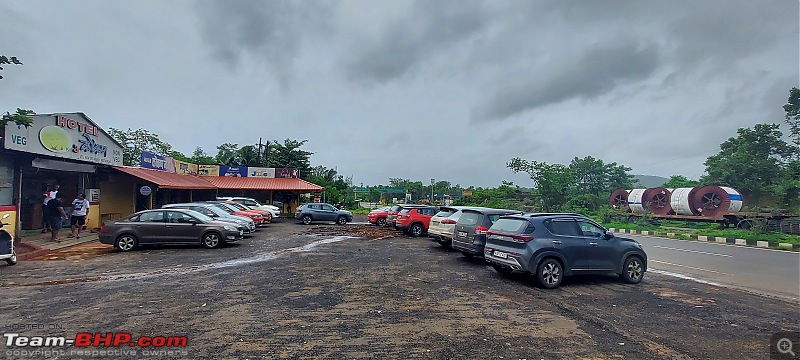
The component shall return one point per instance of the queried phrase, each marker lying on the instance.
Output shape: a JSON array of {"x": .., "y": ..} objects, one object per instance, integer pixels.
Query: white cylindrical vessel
[
  {"x": 680, "y": 200},
  {"x": 635, "y": 201}
]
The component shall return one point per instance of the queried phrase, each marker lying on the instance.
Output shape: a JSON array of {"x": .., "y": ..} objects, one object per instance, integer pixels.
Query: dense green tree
[
  {"x": 552, "y": 181},
  {"x": 227, "y": 154},
  {"x": 247, "y": 156},
  {"x": 751, "y": 162},
  {"x": 200, "y": 157},
  {"x": 135, "y": 141},
  {"x": 679, "y": 181},
  {"x": 289, "y": 155},
  {"x": 792, "y": 119},
  {"x": 21, "y": 118}
]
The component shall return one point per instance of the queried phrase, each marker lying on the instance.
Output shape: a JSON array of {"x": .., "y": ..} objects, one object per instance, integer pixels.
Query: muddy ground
[{"x": 357, "y": 291}]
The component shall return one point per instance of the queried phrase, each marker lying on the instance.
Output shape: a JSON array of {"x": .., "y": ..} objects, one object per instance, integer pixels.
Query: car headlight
[{"x": 230, "y": 228}]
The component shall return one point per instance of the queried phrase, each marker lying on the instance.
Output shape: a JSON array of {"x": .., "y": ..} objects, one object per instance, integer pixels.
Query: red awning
[
  {"x": 168, "y": 180},
  {"x": 253, "y": 183}
]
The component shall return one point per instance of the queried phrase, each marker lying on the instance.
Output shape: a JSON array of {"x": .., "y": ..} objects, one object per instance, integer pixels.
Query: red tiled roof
[
  {"x": 252, "y": 183},
  {"x": 167, "y": 180}
]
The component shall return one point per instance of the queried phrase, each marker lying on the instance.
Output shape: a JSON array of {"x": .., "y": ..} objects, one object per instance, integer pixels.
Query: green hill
[{"x": 649, "y": 181}]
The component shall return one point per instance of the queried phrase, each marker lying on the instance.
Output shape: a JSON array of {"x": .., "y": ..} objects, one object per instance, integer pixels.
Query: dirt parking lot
[{"x": 316, "y": 291}]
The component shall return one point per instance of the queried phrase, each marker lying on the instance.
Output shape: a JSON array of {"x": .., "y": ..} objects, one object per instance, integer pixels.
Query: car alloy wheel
[
  {"x": 126, "y": 243},
  {"x": 341, "y": 220},
  {"x": 549, "y": 274},
  {"x": 13, "y": 259},
  {"x": 416, "y": 230},
  {"x": 211, "y": 240},
  {"x": 381, "y": 222},
  {"x": 306, "y": 219},
  {"x": 633, "y": 270}
]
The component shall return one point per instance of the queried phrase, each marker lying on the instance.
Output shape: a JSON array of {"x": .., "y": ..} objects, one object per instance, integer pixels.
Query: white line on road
[
  {"x": 681, "y": 276},
  {"x": 688, "y": 267},
  {"x": 691, "y": 251}
]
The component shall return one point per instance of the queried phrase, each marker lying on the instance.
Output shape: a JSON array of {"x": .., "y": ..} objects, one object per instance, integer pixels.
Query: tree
[
  {"x": 20, "y": 118},
  {"x": 200, "y": 157},
  {"x": 792, "y": 119},
  {"x": 552, "y": 181},
  {"x": 135, "y": 141},
  {"x": 289, "y": 155},
  {"x": 751, "y": 162},
  {"x": 247, "y": 156},
  {"x": 227, "y": 154},
  {"x": 679, "y": 181}
]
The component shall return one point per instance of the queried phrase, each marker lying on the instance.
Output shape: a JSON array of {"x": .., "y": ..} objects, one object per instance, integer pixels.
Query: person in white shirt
[
  {"x": 49, "y": 195},
  {"x": 80, "y": 207}
]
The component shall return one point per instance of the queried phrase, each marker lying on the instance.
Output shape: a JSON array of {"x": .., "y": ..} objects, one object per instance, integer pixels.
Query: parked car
[
  {"x": 551, "y": 246},
  {"x": 415, "y": 221},
  {"x": 255, "y": 216},
  {"x": 394, "y": 210},
  {"x": 168, "y": 226},
  {"x": 469, "y": 234},
  {"x": 216, "y": 213},
  {"x": 266, "y": 214},
  {"x": 443, "y": 224},
  {"x": 307, "y": 213},
  {"x": 254, "y": 204},
  {"x": 378, "y": 216}
]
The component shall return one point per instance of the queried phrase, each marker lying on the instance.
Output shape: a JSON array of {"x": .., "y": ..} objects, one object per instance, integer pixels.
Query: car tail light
[
  {"x": 104, "y": 228},
  {"x": 522, "y": 238},
  {"x": 481, "y": 230},
  {"x": 449, "y": 222}
]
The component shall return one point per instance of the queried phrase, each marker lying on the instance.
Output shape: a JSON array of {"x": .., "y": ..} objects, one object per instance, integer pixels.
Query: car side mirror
[
  {"x": 193, "y": 221},
  {"x": 608, "y": 235}
]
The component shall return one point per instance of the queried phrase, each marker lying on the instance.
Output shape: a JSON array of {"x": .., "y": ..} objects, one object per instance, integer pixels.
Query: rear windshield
[
  {"x": 469, "y": 218},
  {"x": 445, "y": 213},
  {"x": 405, "y": 211},
  {"x": 509, "y": 226},
  {"x": 395, "y": 208},
  {"x": 494, "y": 218}
]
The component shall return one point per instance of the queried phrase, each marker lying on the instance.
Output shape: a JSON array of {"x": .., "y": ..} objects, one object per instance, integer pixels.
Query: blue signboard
[
  {"x": 157, "y": 162},
  {"x": 234, "y": 171}
]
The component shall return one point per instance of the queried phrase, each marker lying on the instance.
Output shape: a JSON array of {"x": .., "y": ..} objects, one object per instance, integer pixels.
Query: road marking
[
  {"x": 681, "y": 276},
  {"x": 691, "y": 251},
  {"x": 712, "y": 243},
  {"x": 688, "y": 267}
]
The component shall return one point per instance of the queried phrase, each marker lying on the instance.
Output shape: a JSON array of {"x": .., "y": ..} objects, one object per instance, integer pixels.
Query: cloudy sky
[{"x": 424, "y": 89}]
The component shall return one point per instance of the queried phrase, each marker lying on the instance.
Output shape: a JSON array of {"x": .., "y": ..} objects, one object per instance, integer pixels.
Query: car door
[
  {"x": 602, "y": 253},
  {"x": 569, "y": 242},
  {"x": 181, "y": 227},
  {"x": 328, "y": 213},
  {"x": 150, "y": 227}
]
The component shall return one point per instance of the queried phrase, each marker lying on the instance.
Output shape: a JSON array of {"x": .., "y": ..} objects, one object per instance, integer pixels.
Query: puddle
[{"x": 181, "y": 270}]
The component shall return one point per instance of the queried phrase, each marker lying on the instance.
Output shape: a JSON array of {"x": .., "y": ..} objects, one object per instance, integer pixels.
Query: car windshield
[
  {"x": 508, "y": 225},
  {"x": 217, "y": 211},
  {"x": 199, "y": 216},
  {"x": 445, "y": 213},
  {"x": 229, "y": 207},
  {"x": 238, "y": 206}
]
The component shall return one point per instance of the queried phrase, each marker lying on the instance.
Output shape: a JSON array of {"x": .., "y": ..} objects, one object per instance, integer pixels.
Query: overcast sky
[{"x": 425, "y": 89}]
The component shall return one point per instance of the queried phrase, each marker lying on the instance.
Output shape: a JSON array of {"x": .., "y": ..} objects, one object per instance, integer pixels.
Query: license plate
[
  {"x": 500, "y": 254},
  {"x": 462, "y": 234}
]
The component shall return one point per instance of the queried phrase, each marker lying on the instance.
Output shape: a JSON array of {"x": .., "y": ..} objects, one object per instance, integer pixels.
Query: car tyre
[
  {"x": 416, "y": 230},
  {"x": 380, "y": 222},
  {"x": 633, "y": 270},
  {"x": 549, "y": 273},
  {"x": 306, "y": 219},
  {"x": 211, "y": 240},
  {"x": 503, "y": 270},
  {"x": 12, "y": 260},
  {"x": 341, "y": 220},
  {"x": 126, "y": 242}
]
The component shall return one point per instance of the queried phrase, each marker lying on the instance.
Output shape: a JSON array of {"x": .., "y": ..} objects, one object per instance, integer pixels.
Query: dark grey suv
[
  {"x": 469, "y": 235},
  {"x": 551, "y": 246},
  {"x": 322, "y": 212}
]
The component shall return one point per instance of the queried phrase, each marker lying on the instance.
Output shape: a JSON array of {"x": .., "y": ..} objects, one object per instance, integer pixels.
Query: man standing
[
  {"x": 46, "y": 215},
  {"x": 57, "y": 216},
  {"x": 80, "y": 206}
]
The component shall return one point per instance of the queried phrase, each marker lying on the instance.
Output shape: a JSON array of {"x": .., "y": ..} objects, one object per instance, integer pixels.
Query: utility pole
[
  {"x": 259, "y": 152},
  {"x": 432, "y": 180}
]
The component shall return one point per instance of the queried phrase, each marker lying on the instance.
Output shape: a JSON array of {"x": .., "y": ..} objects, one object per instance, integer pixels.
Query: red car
[
  {"x": 415, "y": 221},
  {"x": 266, "y": 214},
  {"x": 256, "y": 217},
  {"x": 378, "y": 216}
]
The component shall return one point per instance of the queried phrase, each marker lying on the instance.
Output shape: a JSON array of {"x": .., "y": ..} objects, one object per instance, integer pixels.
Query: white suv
[{"x": 253, "y": 203}]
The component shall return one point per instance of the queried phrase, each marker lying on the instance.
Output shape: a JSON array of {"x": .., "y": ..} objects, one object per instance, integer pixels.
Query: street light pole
[{"x": 432, "y": 180}]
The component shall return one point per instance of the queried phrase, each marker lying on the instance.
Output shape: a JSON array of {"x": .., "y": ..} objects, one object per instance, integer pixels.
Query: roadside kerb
[{"x": 715, "y": 239}]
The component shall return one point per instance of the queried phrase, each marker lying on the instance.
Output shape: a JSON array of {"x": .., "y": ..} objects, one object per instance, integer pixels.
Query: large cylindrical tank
[
  {"x": 635, "y": 200},
  {"x": 682, "y": 201},
  {"x": 713, "y": 200},
  {"x": 619, "y": 199},
  {"x": 657, "y": 200}
]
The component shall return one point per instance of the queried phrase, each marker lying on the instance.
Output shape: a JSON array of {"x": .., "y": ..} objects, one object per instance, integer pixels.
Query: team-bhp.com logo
[{"x": 91, "y": 341}]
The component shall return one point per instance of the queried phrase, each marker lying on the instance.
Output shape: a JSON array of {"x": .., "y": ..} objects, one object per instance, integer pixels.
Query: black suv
[
  {"x": 551, "y": 246},
  {"x": 469, "y": 235}
]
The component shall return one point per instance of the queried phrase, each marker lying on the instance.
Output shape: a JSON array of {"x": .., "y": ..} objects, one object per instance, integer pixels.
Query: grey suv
[
  {"x": 307, "y": 213},
  {"x": 469, "y": 234},
  {"x": 551, "y": 246}
]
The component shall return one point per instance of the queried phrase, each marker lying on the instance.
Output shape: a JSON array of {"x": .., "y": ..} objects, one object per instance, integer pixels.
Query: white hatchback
[
  {"x": 253, "y": 203},
  {"x": 444, "y": 223}
]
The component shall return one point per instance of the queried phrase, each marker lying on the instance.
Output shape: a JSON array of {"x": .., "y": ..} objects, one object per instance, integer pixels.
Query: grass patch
[
  {"x": 360, "y": 211},
  {"x": 706, "y": 229}
]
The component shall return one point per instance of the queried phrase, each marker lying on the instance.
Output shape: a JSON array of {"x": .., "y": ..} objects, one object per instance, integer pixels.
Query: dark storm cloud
[
  {"x": 598, "y": 71},
  {"x": 429, "y": 28},
  {"x": 271, "y": 32}
]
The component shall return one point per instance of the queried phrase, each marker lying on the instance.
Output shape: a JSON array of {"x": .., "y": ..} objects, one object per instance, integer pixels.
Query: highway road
[{"x": 764, "y": 271}]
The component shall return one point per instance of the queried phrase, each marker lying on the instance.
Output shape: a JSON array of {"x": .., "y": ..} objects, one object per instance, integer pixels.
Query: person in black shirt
[{"x": 57, "y": 215}]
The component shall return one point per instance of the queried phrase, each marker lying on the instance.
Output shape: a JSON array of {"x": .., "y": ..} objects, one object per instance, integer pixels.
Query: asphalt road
[{"x": 764, "y": 271}]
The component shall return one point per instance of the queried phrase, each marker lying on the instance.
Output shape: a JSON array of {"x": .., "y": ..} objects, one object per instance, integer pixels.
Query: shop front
[{"x": 63, "y": 151}]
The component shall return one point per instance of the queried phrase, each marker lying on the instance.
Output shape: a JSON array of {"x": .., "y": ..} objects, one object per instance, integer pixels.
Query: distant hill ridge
[{"x": 648, "y": 181}]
